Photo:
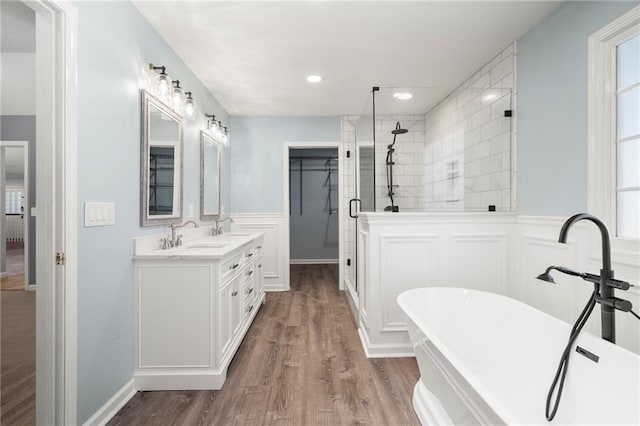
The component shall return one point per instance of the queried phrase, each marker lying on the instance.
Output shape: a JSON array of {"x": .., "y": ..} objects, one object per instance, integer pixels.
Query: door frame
[
  {"x": 27, "y": 212},
  {"x": 56, "y": 210},
  {"x": 285, "y": 195}
]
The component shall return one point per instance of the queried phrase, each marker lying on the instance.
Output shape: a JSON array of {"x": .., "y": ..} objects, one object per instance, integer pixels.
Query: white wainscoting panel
[
  {"x": 276, "y": 271},
  {"x": 480, "y": 261},
  {"x": 499, "y": 253},
  {"x": 396, "y": 252},
  {"x": 399, "y": 252}
]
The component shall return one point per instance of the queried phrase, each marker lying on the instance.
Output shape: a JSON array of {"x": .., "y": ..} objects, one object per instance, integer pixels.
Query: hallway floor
[
  {"x": 15, "y": 268},
  {"x": 17, "y": 357},
  {"x": 301, "y": 363}
]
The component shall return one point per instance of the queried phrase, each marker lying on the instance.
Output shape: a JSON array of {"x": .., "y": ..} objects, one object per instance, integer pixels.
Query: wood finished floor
[
  {"x": 17, "y": 357},
  {"x": 301, "y": 363},
  {"x": 15, "y": 268}
]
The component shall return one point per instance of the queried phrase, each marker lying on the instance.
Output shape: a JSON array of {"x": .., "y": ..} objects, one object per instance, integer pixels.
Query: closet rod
[
  {"x": 313, "y": 158},
  {"x": 312, "y": 170}
]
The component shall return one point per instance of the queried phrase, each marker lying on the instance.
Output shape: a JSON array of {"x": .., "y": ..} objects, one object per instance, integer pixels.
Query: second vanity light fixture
[
  {"x": 171, "y": 92},
  {"x": 217, "y": 130}
]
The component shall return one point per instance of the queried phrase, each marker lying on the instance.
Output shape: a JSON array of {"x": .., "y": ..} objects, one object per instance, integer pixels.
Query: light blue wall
[
  {"x": 552, "y": 107},
  {"x": 115, "y": 44},
  {"x": 256, "y": 155}
]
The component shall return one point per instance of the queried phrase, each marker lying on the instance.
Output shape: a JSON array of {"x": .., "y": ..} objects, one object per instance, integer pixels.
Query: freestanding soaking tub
[{"x": 488, "y": 359}]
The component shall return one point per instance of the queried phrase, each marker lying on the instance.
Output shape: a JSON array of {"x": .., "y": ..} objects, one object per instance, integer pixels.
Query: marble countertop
[{"x": 204, "y": 248}]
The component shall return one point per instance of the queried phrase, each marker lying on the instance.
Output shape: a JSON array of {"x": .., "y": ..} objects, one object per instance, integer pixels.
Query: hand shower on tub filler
[{"x": 603, "y": 293}]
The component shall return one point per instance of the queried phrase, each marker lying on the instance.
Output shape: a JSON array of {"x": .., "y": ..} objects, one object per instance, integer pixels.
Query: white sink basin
[{"x": 207, "y": 245}]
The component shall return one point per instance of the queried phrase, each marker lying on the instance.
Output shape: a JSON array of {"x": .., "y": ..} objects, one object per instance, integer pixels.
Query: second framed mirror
[{"x": 210, "y": 154}]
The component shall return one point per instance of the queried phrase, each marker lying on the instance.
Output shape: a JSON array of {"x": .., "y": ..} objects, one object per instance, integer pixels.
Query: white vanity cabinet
[{"x": 194, "y": 306}]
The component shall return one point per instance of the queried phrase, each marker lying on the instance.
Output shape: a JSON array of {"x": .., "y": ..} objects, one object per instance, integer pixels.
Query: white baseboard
[
  {"x": 384, "y": 350},
  {"x": 3, "y": 274},
  {"x": 313, "y": 261},
  {"x": 31, "y": 287},
  {"x": 180, "y": 380},
  {"x": 112, "y": 406}
]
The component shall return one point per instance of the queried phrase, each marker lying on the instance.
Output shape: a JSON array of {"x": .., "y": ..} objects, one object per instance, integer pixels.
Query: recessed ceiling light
[
  {"x": 314, "y": 78},
  {"x": 490, "y": 97},
  {"x": 403, "y": 96}
]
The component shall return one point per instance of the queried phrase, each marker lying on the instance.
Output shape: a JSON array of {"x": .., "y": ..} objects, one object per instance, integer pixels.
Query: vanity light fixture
[
  {"x": 225, "y": 136},
  {"x": 177, "y": 95},
  {"x": 212, "y": 124},
  {"x": 403, "y": 96},
  {"x": 189, "y": 107},
  {"x": 314, "y": 78},
  {"x": 217, "y": 130},
  {"x": 164, "y": 82}
]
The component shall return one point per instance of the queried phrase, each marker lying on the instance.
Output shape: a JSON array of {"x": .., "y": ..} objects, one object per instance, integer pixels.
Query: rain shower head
[{"x": 399, "y": 130}]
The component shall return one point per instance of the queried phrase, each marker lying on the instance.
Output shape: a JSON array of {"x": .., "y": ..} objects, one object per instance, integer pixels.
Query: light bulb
[
  {"x": 164, "y": 83},
  {"x": 189, "y": 108},
  {"x": 177, "y": 98}
]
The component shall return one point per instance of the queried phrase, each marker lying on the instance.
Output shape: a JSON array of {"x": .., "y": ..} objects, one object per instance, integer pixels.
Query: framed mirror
[
  {"x": 210, "y": 154},
  {"x": 161, "y": 163}
]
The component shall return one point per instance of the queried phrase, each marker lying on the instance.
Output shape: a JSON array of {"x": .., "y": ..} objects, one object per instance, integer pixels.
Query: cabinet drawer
[
  {"x": 230, "y": 267},
  {"x": 249, "y": 273},
  {"x": 248, "y": 310},
  {"x": 250, "y": 253},
  {"x": 257, "y": 249},
  {"x": 250, "y": 291}
]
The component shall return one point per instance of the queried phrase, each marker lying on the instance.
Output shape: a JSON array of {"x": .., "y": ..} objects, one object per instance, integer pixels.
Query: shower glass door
[{"x": 359, "y": 185}]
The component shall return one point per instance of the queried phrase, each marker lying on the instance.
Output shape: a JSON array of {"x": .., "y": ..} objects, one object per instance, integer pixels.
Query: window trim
[{"x": 601, "y": 182}]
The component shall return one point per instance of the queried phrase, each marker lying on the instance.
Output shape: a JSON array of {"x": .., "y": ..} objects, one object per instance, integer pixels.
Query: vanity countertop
[{"x": 203, "y": 248}]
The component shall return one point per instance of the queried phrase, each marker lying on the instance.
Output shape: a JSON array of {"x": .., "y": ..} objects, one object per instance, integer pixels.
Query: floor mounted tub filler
[{"x": 489, "y": 359}]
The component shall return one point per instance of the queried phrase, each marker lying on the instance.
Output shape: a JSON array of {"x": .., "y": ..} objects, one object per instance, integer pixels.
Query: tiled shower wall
[
  {"x": 408, "y": 158},
  {"x": 467, "y": 152}
]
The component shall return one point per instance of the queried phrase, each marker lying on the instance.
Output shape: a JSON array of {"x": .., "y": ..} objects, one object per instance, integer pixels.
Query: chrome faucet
[
  {"x": 176, "y": 241},
  {"x": 218, "y": 229}
]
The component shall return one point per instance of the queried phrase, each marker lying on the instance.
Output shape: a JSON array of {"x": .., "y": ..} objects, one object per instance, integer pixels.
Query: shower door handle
[{"x": 351, "y": 201}]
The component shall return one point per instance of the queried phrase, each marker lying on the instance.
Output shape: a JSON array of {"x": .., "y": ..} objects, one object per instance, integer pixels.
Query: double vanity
[{"x": 193, "y": 305}]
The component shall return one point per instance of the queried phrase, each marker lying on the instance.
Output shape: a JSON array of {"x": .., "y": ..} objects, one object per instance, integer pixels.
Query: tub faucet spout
[{"x": 604, "y": 283}]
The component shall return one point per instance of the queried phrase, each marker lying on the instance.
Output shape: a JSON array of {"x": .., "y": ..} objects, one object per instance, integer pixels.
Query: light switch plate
[{"x": 99, "y": 214}]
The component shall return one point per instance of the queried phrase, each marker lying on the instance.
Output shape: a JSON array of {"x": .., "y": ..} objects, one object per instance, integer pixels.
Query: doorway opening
[
  {"x": 313, "y": 208},
  {"x": 38, "y": 81},
  {"x": 17, "y": 264}
]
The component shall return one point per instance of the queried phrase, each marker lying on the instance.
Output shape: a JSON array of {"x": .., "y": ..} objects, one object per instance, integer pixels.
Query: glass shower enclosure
[{"x": 455, "y": 155}]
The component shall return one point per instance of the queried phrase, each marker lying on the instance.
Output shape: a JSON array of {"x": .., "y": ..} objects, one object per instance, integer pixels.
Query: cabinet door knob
[
  {"x": 235, "y": 293},
  {"x": 250, "y": 272},
  {"x": 250, "y": 254},
  {"x": 259, "y": 247},
  {"x": 250, "y": 290},
  {"x": 234, "y": 266},
  {"x": 250, "y": 309},
  {"x": 260, "y": 265}
]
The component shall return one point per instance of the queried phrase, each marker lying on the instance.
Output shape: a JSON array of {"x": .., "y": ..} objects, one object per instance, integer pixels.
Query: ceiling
[
  {"x": 17, "y": 27},
  {"x": 14, "y": 163},
  {"x": 17, "y": 59},
  {"x": 254, "y": 56}
]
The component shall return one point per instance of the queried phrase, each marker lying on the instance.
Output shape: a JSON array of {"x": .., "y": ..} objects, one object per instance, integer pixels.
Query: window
[
  {"x": 614, "y": 128},
  {"x": 13, "y": 201},
  {"x": 628, "y": 138}
]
